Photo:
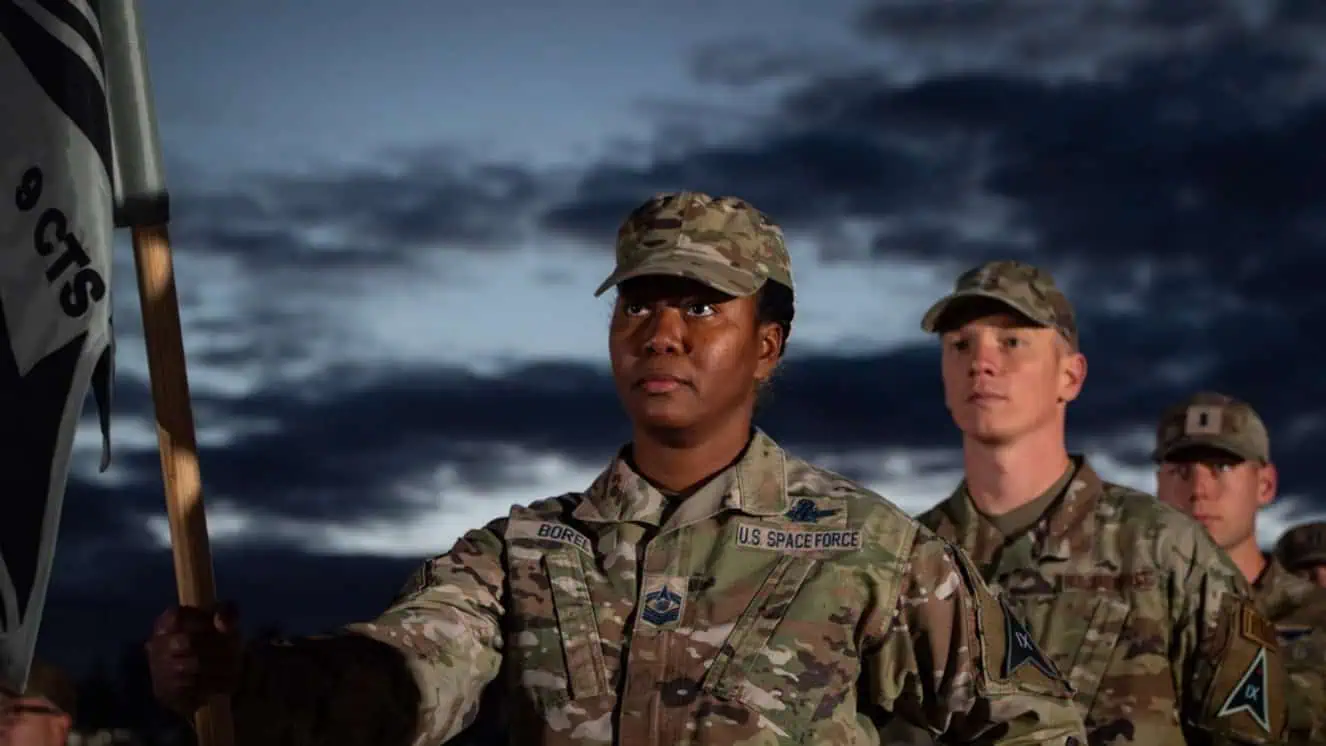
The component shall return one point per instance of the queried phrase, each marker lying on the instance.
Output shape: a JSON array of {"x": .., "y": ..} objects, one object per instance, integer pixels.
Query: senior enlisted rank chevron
[
  {"x": 707, "y": 588},
  {"x": 1153, "y": 624}
]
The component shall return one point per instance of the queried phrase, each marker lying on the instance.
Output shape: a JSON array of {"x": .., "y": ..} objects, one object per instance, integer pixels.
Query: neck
[
  {"x": 1002, "y": 478},
  {"x": 1247, "y": 556},
  {"x": 678, "y": 462}
]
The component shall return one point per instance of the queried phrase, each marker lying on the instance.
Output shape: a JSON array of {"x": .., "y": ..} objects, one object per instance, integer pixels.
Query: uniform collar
[
  {"x": 1053, "y": 535},
  {"x": 755, "y": 485}
]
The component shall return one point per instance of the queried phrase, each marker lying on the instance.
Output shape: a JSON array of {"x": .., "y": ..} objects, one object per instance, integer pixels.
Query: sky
[{"x": 389, "y": 219}]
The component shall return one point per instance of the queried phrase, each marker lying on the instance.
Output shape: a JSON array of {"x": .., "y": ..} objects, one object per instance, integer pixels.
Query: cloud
[
  {"x": 355, "y": 216},
  {"x": 1072, "y": 41},
  {"x": 743, "y": 62}
]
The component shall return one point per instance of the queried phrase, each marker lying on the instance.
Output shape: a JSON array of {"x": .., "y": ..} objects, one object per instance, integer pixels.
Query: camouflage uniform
[
  {"x": 1150, "y": 620},
  {"x": 1296, "y": 607},
  {"x": 777, "y": 604},
  {"x": 1302, "y": 547}
]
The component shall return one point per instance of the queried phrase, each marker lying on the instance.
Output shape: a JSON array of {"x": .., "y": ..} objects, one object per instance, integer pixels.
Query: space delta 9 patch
[
  {"x": 1247, "y": 696},
  {"x": 1021, "y": 649},
  {"x": 1250, "y": 694}
]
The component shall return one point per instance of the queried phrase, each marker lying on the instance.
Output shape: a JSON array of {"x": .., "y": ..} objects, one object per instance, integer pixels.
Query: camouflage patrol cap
[
  {"x": 722, "y": 242},
  {"x": 1026, "y": 289},
  {"x": 1303, "y": 545},
  {"x": 1216, "y": 421}
]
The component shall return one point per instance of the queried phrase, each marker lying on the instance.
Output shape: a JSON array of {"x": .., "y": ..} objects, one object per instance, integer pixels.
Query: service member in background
[
  {"x": 707, "y": 588},
  {"x": 1152, "y": 623},
  {"x": 1303, "y": 551},
  {"x": 1214, "y": 458}
]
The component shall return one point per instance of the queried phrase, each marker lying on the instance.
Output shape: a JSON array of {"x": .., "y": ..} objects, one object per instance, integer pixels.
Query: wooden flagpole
[
  {"x": 179, "y": 447},
  {"x": 143, "y": 205}
]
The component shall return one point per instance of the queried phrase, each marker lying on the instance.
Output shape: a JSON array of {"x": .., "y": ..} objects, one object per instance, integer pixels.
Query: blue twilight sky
[{"x": 390, "y": 217}]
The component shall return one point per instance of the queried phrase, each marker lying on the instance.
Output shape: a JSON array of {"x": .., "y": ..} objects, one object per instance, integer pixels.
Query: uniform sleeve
[
  {"x": 1306, "y": 664},
  {"x": 411, "y": 677},
  {"x": 951, "y": 659},
  {"x": 1228, "y": 664}
]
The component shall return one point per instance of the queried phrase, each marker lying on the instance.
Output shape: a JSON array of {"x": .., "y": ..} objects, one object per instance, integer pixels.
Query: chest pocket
[
  {"x": 554, "y": 646},
  {"x": 768, "y": 663},
  {"x": 1080, "y": 630}
]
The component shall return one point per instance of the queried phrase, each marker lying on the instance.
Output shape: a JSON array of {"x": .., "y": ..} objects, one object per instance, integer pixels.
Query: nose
[
  {"x": 1203, "y": 483},
  {"x": 984, "y": 357},
  {"x": 666, "y": 332}
]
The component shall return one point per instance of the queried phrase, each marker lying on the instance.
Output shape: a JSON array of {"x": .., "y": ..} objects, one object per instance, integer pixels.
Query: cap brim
[
  {"x": 1189, "y": 442},
  {"x": 930, "y": 321},
  {"x": 698, "y": 267},
  {"x": 1304, "y": 560}
]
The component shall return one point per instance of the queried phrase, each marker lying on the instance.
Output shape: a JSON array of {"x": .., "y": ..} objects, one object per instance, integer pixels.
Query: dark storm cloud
[
  {"x": 808, "y": 176},
  {"x": 335, "y": 455},
  {"x": 745, "y": 62},
  {"x": 1030, "y": 39},
  {"x": 361, "y": 216},
  {"x": 284, "y": 587}
]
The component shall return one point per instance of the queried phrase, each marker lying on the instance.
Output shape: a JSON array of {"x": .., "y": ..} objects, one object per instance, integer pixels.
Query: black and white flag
[{"x": 56, "y": 228}]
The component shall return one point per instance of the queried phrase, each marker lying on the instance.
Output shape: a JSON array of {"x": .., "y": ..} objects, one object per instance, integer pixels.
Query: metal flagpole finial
[{"x": 139, "y": 178}]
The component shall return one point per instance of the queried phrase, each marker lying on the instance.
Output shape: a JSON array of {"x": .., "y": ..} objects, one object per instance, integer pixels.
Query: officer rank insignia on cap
[{"x": 1203, "y": 420}]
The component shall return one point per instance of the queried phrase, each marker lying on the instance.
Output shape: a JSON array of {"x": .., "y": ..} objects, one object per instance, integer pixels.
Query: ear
[
  {"x": 1268, "y": 482},
  {"x": 1073, "y": 373},
  {"x": 769, "y": 341}
]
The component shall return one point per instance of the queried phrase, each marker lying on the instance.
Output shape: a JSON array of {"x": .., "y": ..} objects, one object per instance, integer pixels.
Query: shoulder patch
[
  {"x": 1022, "y": 649},
  {"x": 1249, "y": 694},
  {"x": 1248, "y": 685},
  {"x": 1009, "y": 654}
]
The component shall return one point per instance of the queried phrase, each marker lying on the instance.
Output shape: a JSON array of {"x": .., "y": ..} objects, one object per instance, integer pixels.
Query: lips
[{"x": 660, "y": 383}]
